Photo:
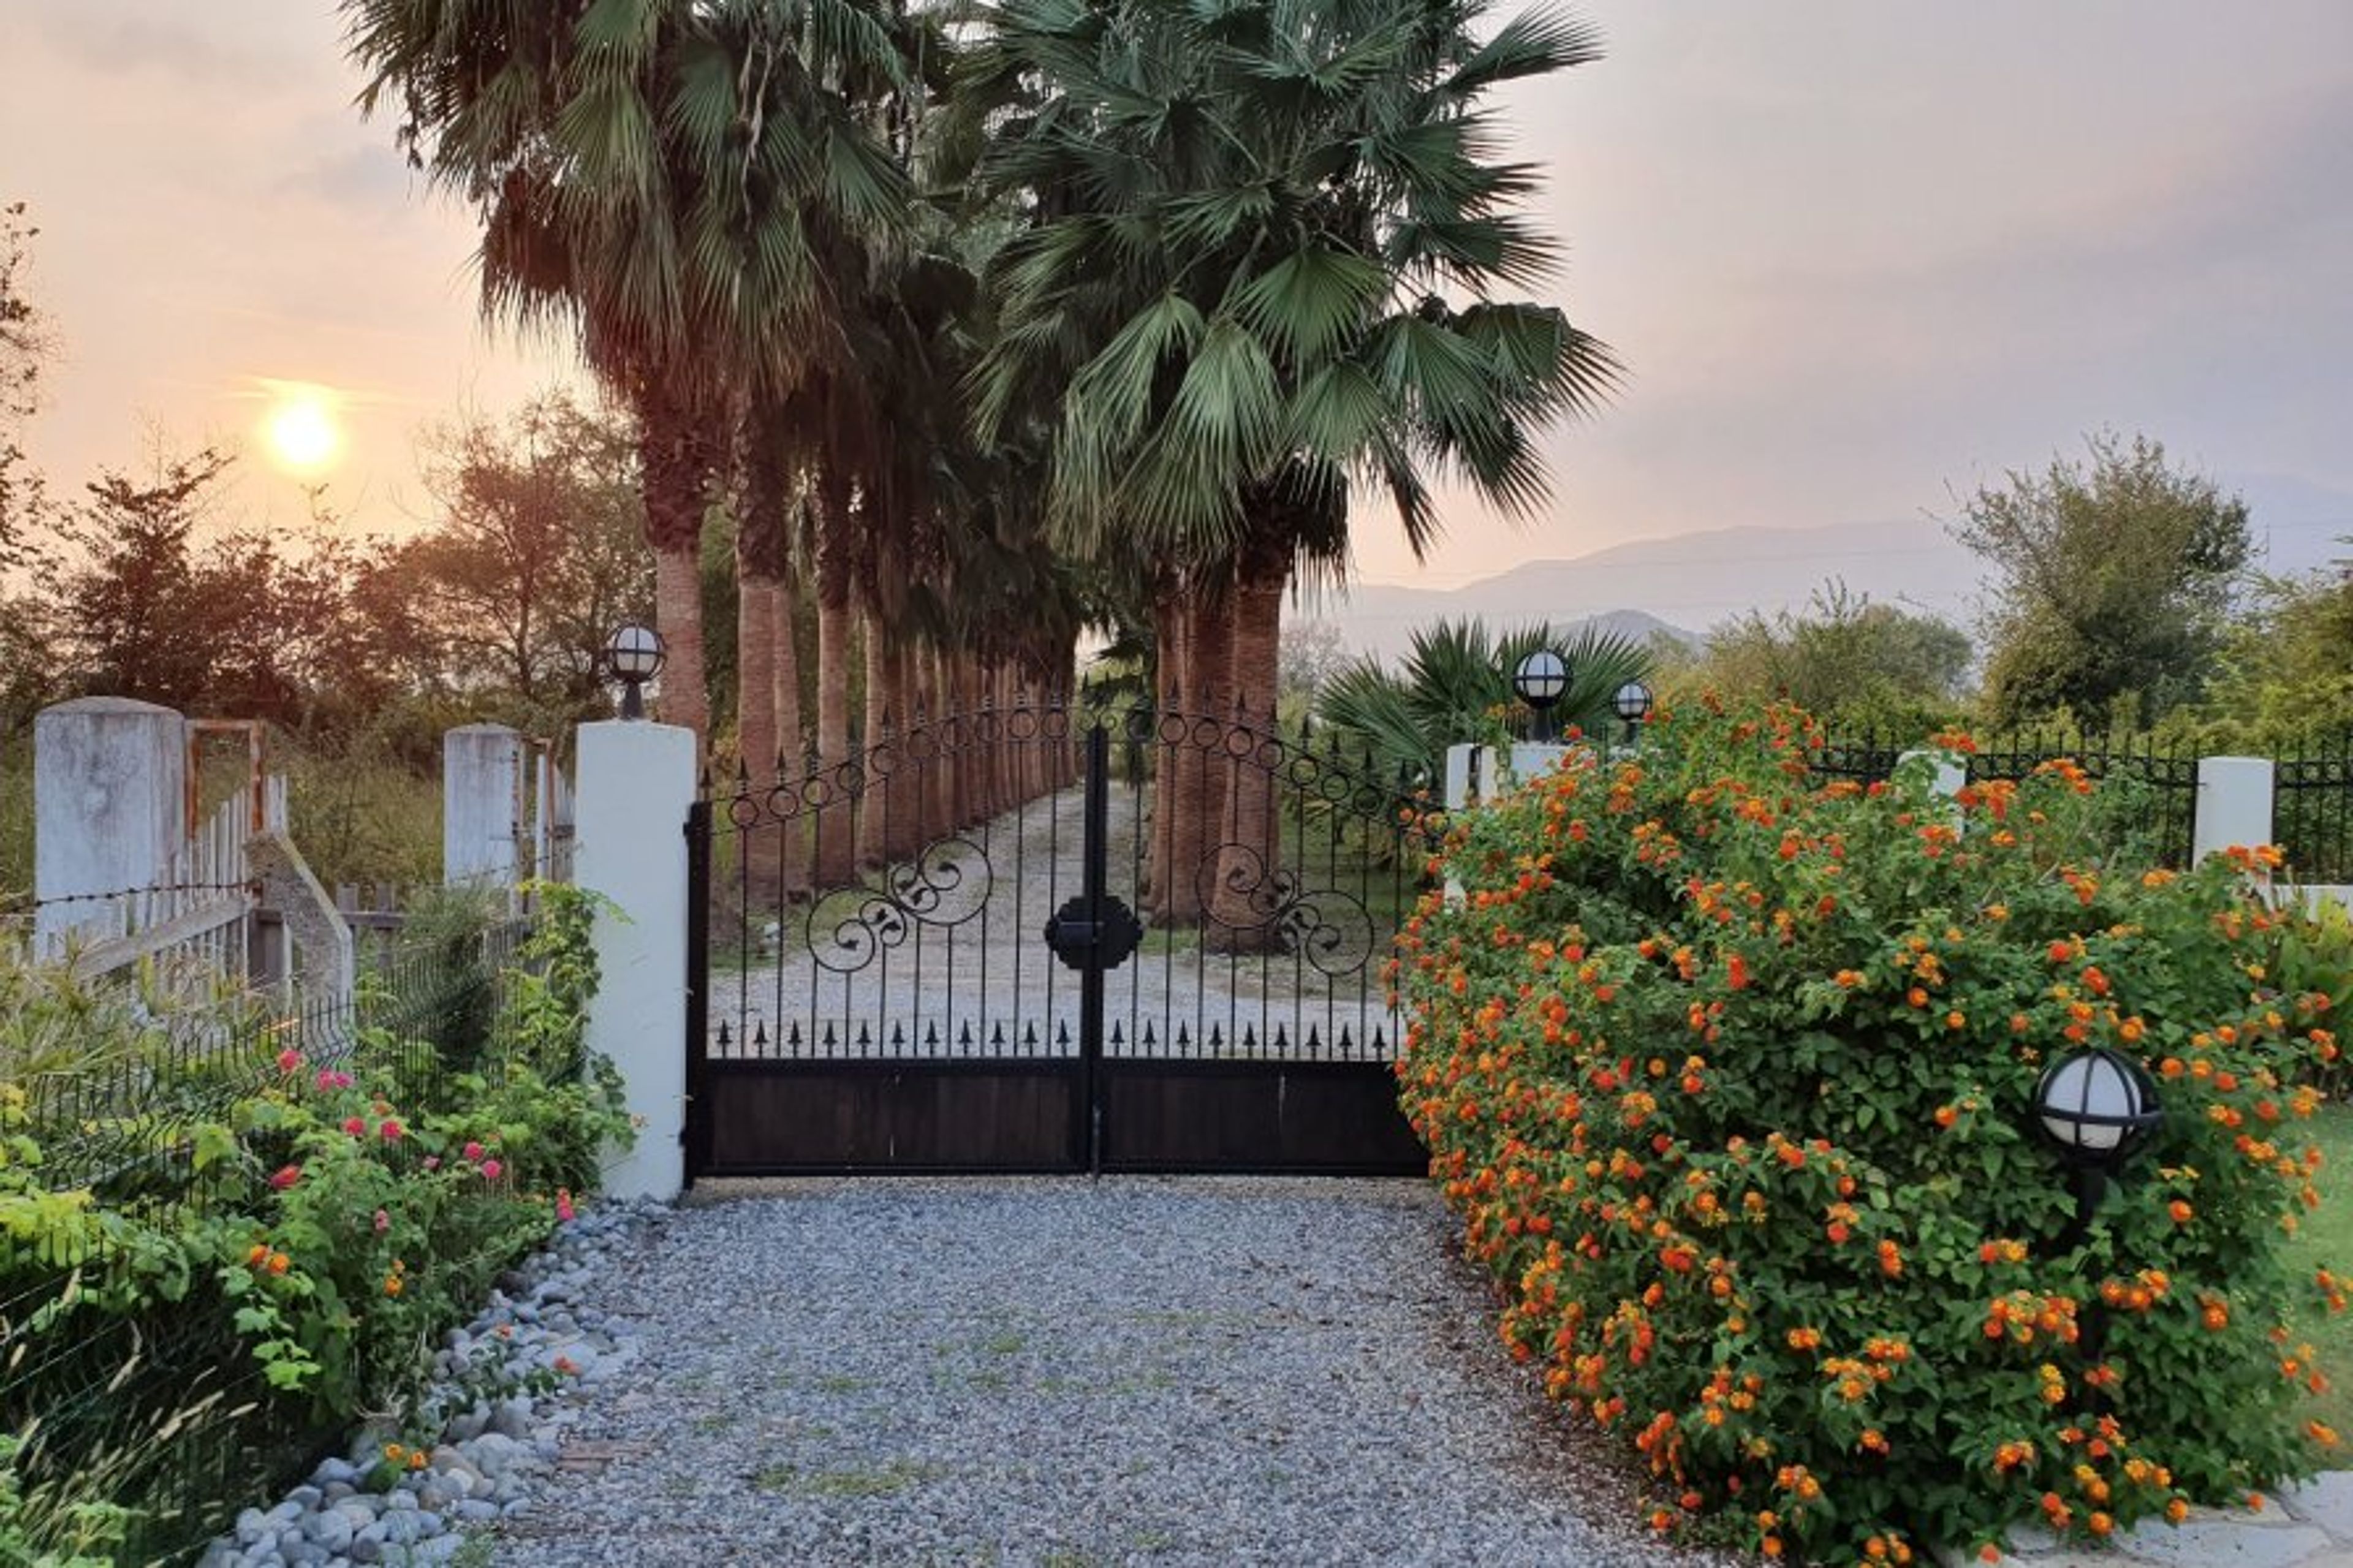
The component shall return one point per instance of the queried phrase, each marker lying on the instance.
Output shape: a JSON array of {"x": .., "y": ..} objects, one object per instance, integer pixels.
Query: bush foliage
[
  {"x": 323, "y": 1225},
  {"x": 1728, "y": 1072}
]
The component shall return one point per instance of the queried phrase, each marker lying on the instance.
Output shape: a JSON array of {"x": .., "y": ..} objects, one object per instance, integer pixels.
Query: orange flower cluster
[{"x": 1745, "y": 1250}]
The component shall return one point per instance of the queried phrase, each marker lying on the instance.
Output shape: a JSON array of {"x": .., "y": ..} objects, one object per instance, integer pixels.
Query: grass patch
[{"x": 2325, "y": 1240}]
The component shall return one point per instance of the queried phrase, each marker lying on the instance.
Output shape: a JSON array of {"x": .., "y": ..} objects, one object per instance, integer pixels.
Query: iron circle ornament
[{"x": 2096, "y": 1107}]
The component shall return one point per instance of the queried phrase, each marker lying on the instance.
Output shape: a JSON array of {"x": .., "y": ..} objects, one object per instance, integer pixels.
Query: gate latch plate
[{"x": 1079, "y": 941}]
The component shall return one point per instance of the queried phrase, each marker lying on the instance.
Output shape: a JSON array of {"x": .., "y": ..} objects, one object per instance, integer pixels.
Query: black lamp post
[
  {"x": 1540, "y": 681},
  {"x": 1633, "y": 703},
  {"x": 634, "y": 656},
  {"x": 2096, "y": 1108}
]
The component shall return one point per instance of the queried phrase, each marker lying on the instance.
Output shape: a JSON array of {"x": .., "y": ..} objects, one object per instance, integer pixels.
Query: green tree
[
  {"x": 1261, "y": 277},
  {"x": 665, "y": 176},
  {"x": 2282, "y": 676},
  {"x": 1845, "y": 659},
  {"x": 130, "y": 616},
  {"x": 26, "y": 345},
  {"x": 2112, "y": 584},
  {"x": 536, "y": 553}
]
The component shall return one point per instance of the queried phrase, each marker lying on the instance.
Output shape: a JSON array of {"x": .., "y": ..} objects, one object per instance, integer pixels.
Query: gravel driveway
[{"x": 1199, "y": 1371}]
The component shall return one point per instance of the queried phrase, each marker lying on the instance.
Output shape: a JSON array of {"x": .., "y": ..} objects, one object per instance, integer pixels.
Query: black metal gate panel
[{"x": 1052, "y": 938}]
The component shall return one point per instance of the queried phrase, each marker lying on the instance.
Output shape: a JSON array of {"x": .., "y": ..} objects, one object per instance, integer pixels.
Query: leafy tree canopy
[
  {"x": 2113, "y": 581},
  {"x": 1844, "y": 658},
  {"x": 26, "y": 345}
]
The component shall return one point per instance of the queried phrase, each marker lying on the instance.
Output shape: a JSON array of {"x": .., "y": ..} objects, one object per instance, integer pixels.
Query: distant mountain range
[{"x": 1687, "y": 582}]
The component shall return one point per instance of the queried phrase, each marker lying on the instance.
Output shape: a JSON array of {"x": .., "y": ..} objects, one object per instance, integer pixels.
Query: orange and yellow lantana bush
[{"x": 1728, "y": 1072}]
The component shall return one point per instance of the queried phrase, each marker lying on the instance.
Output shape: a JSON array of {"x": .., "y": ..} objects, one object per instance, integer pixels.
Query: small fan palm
[{"x": 1455, "y": 675}]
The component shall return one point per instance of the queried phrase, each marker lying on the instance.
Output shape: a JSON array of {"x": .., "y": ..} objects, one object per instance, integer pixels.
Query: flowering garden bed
[
  {"x": 1730, "y": 1073},
  {"x": 303, "y": 1220}
]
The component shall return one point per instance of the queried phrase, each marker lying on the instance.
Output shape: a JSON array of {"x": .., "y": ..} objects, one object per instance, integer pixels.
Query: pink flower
[
  {"x": 491, "y": 1169},
  {"x": 432, "y": 1162},
  {"x": 330, "y": 1079},
  {"x": 383, "y": 1222},
  {"x": 564, "y": 1210},
  {"x": 287, "y": 1176},
  {"x": 473, "y": 1150},
  {"x": 391, "y": 1130},
  {"x": 289, "y": 1060},
  {"x": 354, "y": 1126}
]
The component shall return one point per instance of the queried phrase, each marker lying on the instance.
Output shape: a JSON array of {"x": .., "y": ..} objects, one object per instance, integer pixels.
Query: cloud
[
  {"x": 370, "y": 179},
  {"x": 110, "y": 39}
]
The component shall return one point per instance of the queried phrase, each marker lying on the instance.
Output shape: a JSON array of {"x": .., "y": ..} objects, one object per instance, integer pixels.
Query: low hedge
[{"x": 1728, "y": 1072}]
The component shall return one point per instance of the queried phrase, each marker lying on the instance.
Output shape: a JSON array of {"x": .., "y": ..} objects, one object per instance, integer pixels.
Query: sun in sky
[{"x": 300, "y": 429}]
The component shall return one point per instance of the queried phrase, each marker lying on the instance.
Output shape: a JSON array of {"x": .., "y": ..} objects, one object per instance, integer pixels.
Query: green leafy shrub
[
  {"x": 323, "y": 1224},
  {"x": 1728, "y": 1072}
]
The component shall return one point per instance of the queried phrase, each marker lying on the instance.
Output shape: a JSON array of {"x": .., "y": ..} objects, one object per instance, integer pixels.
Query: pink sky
[{"x": 1856, "y": 252}]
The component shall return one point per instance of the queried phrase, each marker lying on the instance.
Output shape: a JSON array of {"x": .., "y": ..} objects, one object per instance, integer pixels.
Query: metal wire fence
[{"x": 168, "y": 1409}]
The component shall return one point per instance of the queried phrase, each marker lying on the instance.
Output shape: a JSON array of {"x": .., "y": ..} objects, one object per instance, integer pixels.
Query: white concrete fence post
[
  {"x": 1952, "y": 775},
  {"x": 2234, "y": 804},
  {"x": 110, "y": 799},
  {"x": 636, "y": 782},
  {"x": 481, "y": 806}
]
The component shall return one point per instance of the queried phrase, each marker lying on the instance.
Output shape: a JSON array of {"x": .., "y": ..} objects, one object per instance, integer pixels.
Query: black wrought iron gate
[{"x": 1059, "y": 938}]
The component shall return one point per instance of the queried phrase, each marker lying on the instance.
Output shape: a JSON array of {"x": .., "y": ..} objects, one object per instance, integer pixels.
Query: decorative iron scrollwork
[
  {"x": 1329, "y": 928},
  {"x": 946, "y": 885}
]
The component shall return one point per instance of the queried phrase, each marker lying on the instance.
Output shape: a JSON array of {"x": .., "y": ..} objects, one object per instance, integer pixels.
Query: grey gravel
[{"x": 1052, "y": 1372}]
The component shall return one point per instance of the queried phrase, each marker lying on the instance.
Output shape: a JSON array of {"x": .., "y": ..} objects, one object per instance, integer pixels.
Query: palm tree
[
  {"x": 1455, "y": 676},
  {"x": 655, "y": 174},
  {"x": 1267, "y": 239}
]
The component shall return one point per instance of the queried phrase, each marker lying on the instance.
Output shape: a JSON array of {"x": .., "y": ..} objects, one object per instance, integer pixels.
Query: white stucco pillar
[
  {"x": 1530, "y": 758},
  {"x": 637, "y": 781},
  {"x": 1951, "y": 775},
  {"x": 2234, "y": 804},
  {"x": 109, "y": 807}
]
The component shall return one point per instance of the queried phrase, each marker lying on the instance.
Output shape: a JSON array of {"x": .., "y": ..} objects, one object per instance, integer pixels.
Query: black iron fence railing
[
  {"x": 2312, "y": 789},
  {"x": 2312, "y": 811}
]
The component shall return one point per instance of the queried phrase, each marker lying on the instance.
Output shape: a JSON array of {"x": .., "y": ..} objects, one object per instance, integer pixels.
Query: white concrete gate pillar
[
  {"x": 637, "y": 781},
  {"x": 2234, "y": 804},
  {"x": 109, "y": 807}
]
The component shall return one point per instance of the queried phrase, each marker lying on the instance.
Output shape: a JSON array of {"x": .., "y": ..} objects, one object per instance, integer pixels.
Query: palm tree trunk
[
  {"x": 755, "y": 667},
  {"x": 1248, "y": 861},
  {"x": 874, "y": 804},
  {"x": 1168, "y": 667},
  {"x": 792, "y": 756},
  {"x": 1197, "y": 825},
  {"x": 939, "y": 795},
  {"x": 675, "y": 456},
  {"x": 836, "y": 847}
]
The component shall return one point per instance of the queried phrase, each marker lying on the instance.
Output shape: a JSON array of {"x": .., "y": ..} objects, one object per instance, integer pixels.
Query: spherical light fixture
[
  {"x": 1541, "y": 682},
  {"x": 1633, "y": 703},
  {"x": 2096, "y": 1107},
  {"x": 633, "y": 656}
]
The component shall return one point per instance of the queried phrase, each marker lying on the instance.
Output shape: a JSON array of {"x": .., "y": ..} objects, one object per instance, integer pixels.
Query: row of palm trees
[{"x": 992, "y": 321}]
